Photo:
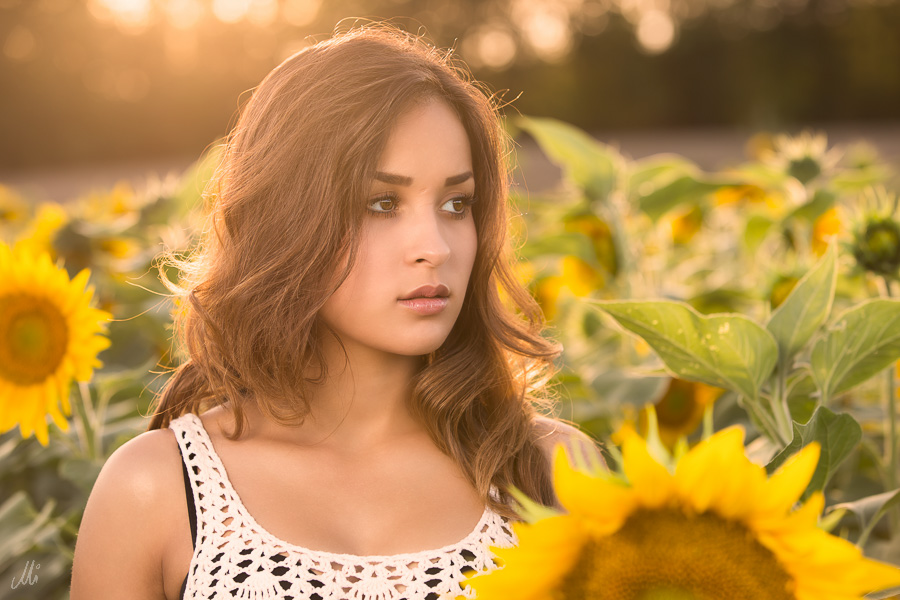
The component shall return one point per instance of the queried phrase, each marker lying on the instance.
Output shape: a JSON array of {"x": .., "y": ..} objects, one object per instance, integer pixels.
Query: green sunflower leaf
[
  {"x": 725, "y": 350},
  {"x": 590, "y": 164},
  {"x": 837, "y": 434},
  {"x": 658, "y": 167},
  {"x": 21, "y": 525},
  {"x": 806, "y": 308},
  {"x": 756, "y": 229},
  {"x": 884, "y": 594},
  {"x": 864, "y": 340},
  {"x": 560, "y": 244},
  {"x": 870, "y": 510},
  {"x": 686, "y": 189},
  {"x": 821, "y": 201}
]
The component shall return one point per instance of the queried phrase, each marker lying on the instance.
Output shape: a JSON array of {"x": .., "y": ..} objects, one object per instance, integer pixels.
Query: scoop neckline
[{"x": 272, "y": 538}]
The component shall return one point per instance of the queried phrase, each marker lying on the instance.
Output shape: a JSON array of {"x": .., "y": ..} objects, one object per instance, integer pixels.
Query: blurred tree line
[{"x": 99, "y": 80}]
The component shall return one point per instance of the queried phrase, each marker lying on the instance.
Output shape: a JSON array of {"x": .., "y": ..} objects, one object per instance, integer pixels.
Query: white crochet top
[{"x": 236, "y": 558}]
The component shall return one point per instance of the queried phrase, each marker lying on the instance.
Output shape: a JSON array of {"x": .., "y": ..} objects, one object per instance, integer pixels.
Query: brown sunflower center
[
  {"x": 677, "y": 407},
  {"x": 666, "y": 555},
  {"x": 33, "y": 339}
]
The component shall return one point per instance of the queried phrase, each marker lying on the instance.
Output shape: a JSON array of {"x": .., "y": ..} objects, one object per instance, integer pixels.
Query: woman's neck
[{"x": 361, "y": 405}]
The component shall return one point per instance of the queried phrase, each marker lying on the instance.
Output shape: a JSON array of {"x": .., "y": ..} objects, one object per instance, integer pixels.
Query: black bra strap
[{"x": 192, "y": 514}]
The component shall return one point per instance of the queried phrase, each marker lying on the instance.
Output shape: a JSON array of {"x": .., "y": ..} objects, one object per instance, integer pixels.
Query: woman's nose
[{"x": 427, "y": 238}]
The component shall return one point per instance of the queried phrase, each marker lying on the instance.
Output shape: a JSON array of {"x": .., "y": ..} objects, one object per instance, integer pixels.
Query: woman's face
[{"x": 418, "y": 231}]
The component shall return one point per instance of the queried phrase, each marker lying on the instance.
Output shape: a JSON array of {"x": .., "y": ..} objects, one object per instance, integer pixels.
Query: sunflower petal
[
  {"x": 784, "y": 487},
  {"x": 546, "y": 552},
  {"x": 651, "y": 482},
  {"x": 705, "y": 477},
  {"x": 603, "y": 502},
  {"x": 814, "y": 571}
]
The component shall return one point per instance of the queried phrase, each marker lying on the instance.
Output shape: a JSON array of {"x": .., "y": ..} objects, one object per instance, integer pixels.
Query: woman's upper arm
[
  {"x": 127, "y": 521},
  {"x": 579, "y": 446}
]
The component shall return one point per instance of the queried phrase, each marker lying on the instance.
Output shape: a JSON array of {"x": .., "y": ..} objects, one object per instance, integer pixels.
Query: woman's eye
[
  {"x": 383, "y": 206},
  {"x": 460, "y": 205},
  {"x": 386, "y": 206},
  {"x": 457, "y": 205}
]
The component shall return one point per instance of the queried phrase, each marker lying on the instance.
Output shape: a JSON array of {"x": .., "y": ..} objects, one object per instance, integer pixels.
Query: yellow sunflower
[
  {"x": 733, "y": 194},
  {"x": 41, "y": 232},
  {"x": 601, "y": 236},
  {"x": 826, "y": 226},
  {"x": 120, "y": 203},
  {"x": 49, "y": 334},
  {"x": 710, "y": 525},
  {"x": 577, "y": 275},
  {"x": 686, "y": 225},
  {"x": 14, "y": 210}
]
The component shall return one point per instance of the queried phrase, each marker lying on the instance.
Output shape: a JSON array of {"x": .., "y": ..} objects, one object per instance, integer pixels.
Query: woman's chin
[
  {"x": 421, "y": 346},
  {"x": 422, "y": 349}
]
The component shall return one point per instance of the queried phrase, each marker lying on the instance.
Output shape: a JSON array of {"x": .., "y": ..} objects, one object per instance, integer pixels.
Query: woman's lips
[{"x": 425, "y": 306}]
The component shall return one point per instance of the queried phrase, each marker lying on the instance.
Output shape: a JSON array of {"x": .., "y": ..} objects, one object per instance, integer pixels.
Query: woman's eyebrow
[
  {"x": 395, "y": 179},
  {"x": 458, "y": 178}
]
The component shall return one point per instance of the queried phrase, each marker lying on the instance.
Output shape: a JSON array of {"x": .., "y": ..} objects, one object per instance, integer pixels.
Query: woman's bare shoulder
[
  {"x": 146, "y": 466},
  {"x": 134, "y": 507},
  {"x": 150, "y": 446}
]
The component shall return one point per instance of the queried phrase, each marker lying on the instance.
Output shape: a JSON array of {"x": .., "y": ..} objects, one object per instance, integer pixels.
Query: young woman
[{"x": 364, "y": 371}]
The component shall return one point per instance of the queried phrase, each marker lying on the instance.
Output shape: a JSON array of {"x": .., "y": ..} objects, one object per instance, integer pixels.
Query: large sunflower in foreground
[
  {"x": 49, "y": 334},
  {"x": 713, "y": 527}
]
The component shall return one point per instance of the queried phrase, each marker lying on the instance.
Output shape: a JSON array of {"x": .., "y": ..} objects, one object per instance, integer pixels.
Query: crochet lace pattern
[{"x": 235, "y": 557}]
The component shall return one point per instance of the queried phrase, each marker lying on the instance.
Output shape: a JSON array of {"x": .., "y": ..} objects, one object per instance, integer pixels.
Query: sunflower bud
[
  {"x": 804, "y": 169},
  {"x": 804, "y": 157},
  {"x": 876, "y": 245}
]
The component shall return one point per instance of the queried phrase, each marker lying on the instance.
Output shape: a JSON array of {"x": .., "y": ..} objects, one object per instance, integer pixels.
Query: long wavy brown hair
[{"x": 284, "y": 219}]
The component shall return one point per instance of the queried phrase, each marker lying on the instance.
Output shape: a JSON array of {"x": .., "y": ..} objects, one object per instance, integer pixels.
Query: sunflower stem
[
  {"x": 66, "y": 438},
  {"x": 708, "y": 421},
  {"x": 890, "y": 424},
  {"x": 779, "y": 426},
  {"x": 103, "y": 399},
  {"x": 770, "y": 428},
  {"x": 96, "y": 429},
  {"x": 86, "y": 417},
  {"x": 781, "y": 406},
  {"x": 773, "y": 406},
  {"x": 78, "y": 423}
]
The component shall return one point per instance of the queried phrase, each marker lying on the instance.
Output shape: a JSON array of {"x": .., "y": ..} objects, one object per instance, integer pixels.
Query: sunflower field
[{"x": 732, "y": 338}]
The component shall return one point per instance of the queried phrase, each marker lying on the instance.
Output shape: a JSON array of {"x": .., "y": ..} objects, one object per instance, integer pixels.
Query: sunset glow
[{"x": 129, "y": 14}]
